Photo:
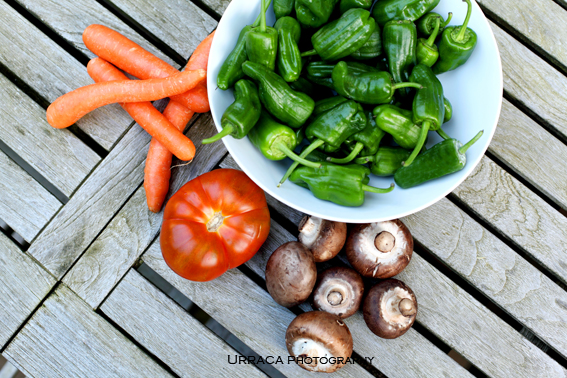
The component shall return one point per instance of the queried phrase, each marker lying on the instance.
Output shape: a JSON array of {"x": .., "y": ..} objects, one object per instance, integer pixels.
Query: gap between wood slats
[
  {"x": 208, "y": 10},
  {"x": 14, "y": 236}
]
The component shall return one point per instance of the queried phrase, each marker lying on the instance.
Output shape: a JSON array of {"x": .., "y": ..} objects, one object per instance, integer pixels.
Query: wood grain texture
[
  {"x": 180, "y": 23},
  {"x": 495, "y": 269},
  {"x": 244, "y": 309},
  {"x": 93, "y": 205},
  {"x": 543, "y": 23},
  {"x": 51, "y": 72},
  {"x": 57, "y": 155},
  {"x": 170, "y": 333},
  {"x": 133, "y": 229},
  {"x": 25, "y": 205},
  {"x": 219, "y": 6},
  {"x": 518, "y": 213},
  {"x": 65, "y": 338},
  {"x": 532, "y": 81},
  {"x": 23, "y": 284}
]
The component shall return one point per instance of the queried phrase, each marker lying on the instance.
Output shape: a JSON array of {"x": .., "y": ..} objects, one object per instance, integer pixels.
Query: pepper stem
[
  {"x": 443, "y": 134},
  {"x": 259, "y": 18},
  {"x": 433, "y": 36},
  {"x": 421, "y": 141},
  {"x": 464, "y": 149},
  {"x": 226, "y": 131},
  {"x": 365, "y": 159},
  {"x": 263, "y": 16},
  {"x": 354, "y": 153},
  {"x": 293, "y": 156},
  {"x": 372, "y": 189},
  {"x": 464, "y": 27},
  {"x": 312, "y": 147},
  {"x": 449, "y": 18},
  {"x": 309, "y": 53},
  {"x": 406, "y": 85}
]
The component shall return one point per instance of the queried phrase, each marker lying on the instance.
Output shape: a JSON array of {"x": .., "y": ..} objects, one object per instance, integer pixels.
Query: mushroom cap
[
  {"x": 291, "y": 274},
  {"x": 383, "y": 313},
  {"x": 338, "y": 291},
  {"x": 323, "y": 237},
  {"x": 319, "y": 334},
  {"x": 363, "y": 254}
]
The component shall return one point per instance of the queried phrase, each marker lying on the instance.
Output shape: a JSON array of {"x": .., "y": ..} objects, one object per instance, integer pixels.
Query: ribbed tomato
[{"x": 215, "y": 222}]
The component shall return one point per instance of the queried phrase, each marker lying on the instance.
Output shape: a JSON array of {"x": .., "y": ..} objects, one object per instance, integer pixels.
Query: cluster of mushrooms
[{"x": 320, "y": 340}]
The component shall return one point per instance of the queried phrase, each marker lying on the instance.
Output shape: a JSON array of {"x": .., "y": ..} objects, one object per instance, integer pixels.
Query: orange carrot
[
  {"x": 144, "y": 113},
  {"x": 158, "y": 163},
  {"x": 70, "y": 107},
  {"x": 130, "y": 57}
]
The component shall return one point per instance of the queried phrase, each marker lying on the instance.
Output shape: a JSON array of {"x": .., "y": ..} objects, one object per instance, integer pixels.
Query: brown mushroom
[
  {"x": 323, "y": 237},
  {"x": 390, "y": 309},
  {"x": 319, "y": 341},
  {"x": 380, "y": 250},
  {"x": 291, "y": 274},
  {"x": 338, "y": 291}
]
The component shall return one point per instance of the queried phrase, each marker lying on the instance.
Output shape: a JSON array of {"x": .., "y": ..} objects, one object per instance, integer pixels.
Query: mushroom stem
[
  {"x": 407, "y": 307},
  {"x": 385, "y": 242},
  {"x": 335, "y": 298}
]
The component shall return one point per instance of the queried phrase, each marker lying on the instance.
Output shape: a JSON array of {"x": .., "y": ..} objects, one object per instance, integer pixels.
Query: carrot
[
  {"x": 70, "y": 107},
  {"x": 158, "y": 163},
  {"x": 130, "y": 57},
  {"x": 144, "y": 113}
]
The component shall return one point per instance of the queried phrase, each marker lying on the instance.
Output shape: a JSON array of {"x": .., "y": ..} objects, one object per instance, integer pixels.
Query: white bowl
[{"x": 475, "y": 91}]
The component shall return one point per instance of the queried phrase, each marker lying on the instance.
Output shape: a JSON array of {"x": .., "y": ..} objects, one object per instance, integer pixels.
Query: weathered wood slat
[
  {"x": 56, "y": 154},
  {"x": 134, "y": 228},
  {"x": 180, "y": 24},
  {"x": 218, "y": 6},
  {"x": 169, "y": 332},
  {"x": 542, "y": 22},
  {"x": 23, "y": 284},
  {"x": 244, "y": 309},
  {"x": 25, "y": 205},
  {"x": 65, "y": 338},
  {"x": 51, "y": 72}
]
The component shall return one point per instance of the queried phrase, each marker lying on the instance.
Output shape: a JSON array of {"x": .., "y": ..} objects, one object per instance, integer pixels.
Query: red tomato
[{"x": 215, "y": 222}]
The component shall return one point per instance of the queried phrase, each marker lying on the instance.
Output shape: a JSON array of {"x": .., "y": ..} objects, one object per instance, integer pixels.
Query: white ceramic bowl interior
[{"x": 475, "y": 91}]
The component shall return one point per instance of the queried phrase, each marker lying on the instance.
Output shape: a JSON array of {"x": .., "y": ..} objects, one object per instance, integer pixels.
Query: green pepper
[
  {"x": 289, "y": 57},
  {"x": 300, "y": 134},
  {"x": 448, "y": 110},
  {"x": 444, "y": 158},
  {"x": 327, "y": 104},
  {"x": 368, "y": 88},
  {"x": 398, "y": 123},
  {"x": 242, "y": 114},
  {"x": 349, "y": 4},
  {"x": 386, "y": 161},
  {"x": 426, "y": 24},
  {"x": 314, "y": 13},
  {"x": 262, "y": 42},
  {"x": 387, "y": 10},
  {"x": 341, "y": 184},
  {"x": 371, "y": 49},
  {"x": 427, "y": 52},
  {"x": 367, "y": 141},
  {"x": 303, "y": 85},
  {"x": 344, "y": 36},
  {"x": 276, "y": 141},
  {"x": 291, "y": 107},
  {"x": 400, "y": 43},
  {"x": 456, "y": 46},
  {"x": 321, "y": 72},
  {"x": 283, "y": 8},
  {"x": 231, "y": 69},
  {"x": 428, "y": 105}
]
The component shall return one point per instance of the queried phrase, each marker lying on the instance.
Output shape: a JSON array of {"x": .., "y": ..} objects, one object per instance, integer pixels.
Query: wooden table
[{"x": 85, "y": 292}]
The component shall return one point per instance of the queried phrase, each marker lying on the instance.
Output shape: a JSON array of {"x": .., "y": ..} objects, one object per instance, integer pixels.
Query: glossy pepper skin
[
  {"x": 368, "y": 88},
  {"x": 386, "y": 161},
  {"x": 291, "y": 107},
  {"x": 321, "y": 72},
  {"x": 426, "y": 24},
  {"x": 387, "y": 10},
  {"x": 400, "y": 44},
  {"x": 341, "y": 184},
  {"x": 239, "y": 118},
  {"x": 327, "y": 104},
  {"x": 262, "y": 42},
  {"x": 456, "y": 46},
  {"x": 428, "y": 105},
  {"x": 372, "y": 48},
  {"x": 314, "y": 13},
  {"x": 448, "y": 110},
  {"x": 289, "y": 57},
  {"x": 398, "y": 123},
  {"x": 231, "y": 69},
  {"x": 349, "y": 4},
  {"x": 344, "y": 36},
  {"x": 444, "y": 158},
  {"x": 283, "y": 8},
  {"x": 427, "y": 52}
]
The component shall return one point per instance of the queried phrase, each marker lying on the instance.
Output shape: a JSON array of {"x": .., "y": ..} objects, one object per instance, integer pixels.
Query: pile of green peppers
[{"x": 358, "y": 90}]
